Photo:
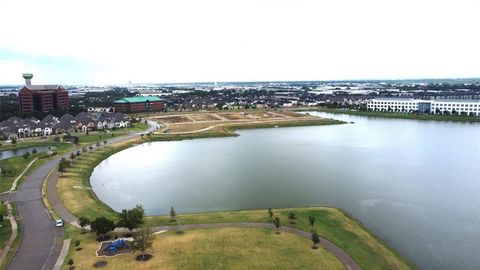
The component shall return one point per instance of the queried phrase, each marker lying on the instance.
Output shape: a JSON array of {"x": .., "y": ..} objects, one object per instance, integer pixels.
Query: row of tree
[{"x": 293, "y": 219}]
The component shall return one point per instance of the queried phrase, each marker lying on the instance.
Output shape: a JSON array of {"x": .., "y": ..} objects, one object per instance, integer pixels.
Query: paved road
[
  {"x": 41, "y": 241},
  {"x": 344, "y": 258}
]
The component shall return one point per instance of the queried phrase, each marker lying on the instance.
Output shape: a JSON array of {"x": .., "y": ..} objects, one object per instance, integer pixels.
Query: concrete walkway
[
  {"x": 63, "y": 254},
  {"x": 13, "y": 236},
  {"x": 341, "y": 255}
]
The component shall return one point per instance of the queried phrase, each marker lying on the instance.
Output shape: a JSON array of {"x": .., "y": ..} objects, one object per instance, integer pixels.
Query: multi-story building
[
  {"x": 139, "y": 104},
  {"x": 41, "y": 98},
  {"x": 435, "y": 106}
]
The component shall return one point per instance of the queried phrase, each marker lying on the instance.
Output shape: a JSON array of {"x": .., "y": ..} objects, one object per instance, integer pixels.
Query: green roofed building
[{"x": 139, "y": 104}]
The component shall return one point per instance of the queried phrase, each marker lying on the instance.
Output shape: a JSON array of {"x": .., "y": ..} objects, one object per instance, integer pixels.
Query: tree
[
  {"x": 276, "y": 221},
  {"x": 83, "y": 222},
  {"x": 270, "y": 212},
  {"x": 34, "y": 151},
  {"x": 315, "y": 239},
  {"x": 173, "y": 214},
  {"x": 104, "y": 142},
  {"x": 90, "y": 147},
  {"x": 311, "y": 220},
  {"x": 142, "y": 241},
  {"x": 292, "y": 217},
  {"x": 75, "y": 140},
  {"x": 79, "y": 153},
  {"x": 14, "y": 141},
  {"x": 131, "y": 218},
  {"x": 102, "y": 225},
  {"x": 62, "y": 165},
  {"x": 72, "y": 156},
  {"x": 26, "y": 155}
]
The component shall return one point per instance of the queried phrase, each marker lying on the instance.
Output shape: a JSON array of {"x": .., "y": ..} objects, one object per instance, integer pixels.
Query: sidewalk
[{"x": 14, "y": 225}]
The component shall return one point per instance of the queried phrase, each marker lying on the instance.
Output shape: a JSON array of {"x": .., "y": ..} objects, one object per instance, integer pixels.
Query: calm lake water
[
  {"x": 18, "y": 152},
  {"x": 414, "y": 183}
]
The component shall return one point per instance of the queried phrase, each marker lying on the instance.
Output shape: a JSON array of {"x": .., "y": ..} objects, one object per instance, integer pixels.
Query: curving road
[{"x": 41, "y": 241}]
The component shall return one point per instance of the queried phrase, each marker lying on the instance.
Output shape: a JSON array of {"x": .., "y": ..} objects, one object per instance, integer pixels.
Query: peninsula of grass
[
  {"x": 398, "y": 115},
  {"x": 228, "y": 129}
]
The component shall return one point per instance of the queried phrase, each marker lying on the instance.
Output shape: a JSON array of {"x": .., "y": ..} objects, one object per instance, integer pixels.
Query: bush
[
  {"x": 34, "y": 151},
  {"x": 14, "y": 141},
  {"x": 77, "y": 243},
  {"x": 26, "y": 155},
  {"x": 70, "y": 261}
]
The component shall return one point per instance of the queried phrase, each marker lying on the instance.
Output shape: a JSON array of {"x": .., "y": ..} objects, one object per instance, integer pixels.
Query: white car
[{"x": 58, "y": 223}]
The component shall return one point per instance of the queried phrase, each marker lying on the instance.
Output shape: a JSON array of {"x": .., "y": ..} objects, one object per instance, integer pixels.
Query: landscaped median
[{"x": 175, "y": 251}]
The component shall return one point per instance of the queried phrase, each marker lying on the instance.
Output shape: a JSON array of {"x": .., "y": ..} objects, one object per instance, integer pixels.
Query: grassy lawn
[
  {"x": 435, "y": 117},
  {"x": 227, "y": 248},
  {"x": 5, "y": 229},
  {"x": 14, "y": 167}
]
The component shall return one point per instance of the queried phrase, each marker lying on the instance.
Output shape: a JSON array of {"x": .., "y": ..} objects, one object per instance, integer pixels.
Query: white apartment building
[{"x": 435, "y": 106}]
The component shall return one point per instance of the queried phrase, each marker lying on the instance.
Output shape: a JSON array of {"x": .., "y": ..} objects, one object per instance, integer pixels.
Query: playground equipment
[{"x": 115, "y": 245}]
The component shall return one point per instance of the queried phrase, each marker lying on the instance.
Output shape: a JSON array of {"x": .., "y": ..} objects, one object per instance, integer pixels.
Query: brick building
[
  {"x": 139, "y": 104},
  {"x": 41, "y": 98}
]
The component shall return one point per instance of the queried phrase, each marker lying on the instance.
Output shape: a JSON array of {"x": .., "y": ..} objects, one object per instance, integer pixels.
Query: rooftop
[{"x": 137, "y": 99}]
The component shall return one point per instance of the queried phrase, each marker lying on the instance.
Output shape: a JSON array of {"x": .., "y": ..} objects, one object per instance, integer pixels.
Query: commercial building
[
  {"x": 41, "y": 98},
  {"x": 139, "y": 104},
  {"x": 435, "y": 106}
]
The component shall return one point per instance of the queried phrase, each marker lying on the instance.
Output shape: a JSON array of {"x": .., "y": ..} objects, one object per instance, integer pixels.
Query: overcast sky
[{"x": 109, "y": 42}]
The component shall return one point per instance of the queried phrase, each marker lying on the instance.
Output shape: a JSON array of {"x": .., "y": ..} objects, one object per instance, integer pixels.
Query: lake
[
  {"x": 18, "y": 152},
  {"x": 414, "y": 183}
]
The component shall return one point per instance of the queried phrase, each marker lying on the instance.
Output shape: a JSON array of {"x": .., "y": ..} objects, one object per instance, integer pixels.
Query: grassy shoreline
[{"x": 424, "y": 117}]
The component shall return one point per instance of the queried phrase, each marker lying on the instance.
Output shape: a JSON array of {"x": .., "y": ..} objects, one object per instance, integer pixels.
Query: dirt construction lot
[{"x": 185, "y": 123}]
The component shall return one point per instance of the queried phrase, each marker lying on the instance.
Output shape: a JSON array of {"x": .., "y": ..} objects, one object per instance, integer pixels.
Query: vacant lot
[
  {"x": 173, "y": 119},
  {"x": 234, "y": 116},
  {"x": 203, "y": 117}
]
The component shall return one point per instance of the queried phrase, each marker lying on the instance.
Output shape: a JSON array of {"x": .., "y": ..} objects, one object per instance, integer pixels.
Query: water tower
[{"x": 28, "y": 78}]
